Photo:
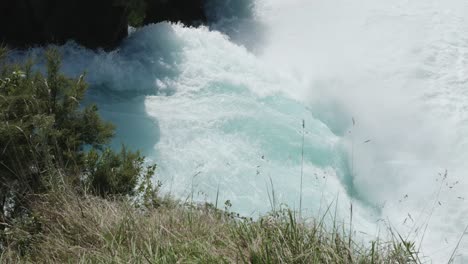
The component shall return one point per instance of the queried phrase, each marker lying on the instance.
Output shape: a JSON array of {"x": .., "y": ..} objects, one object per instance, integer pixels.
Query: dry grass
[{"x": 87, "y": 229}]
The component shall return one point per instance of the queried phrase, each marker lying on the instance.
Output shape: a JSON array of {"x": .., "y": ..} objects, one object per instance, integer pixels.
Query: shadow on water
[
  {"x": 126, "y": 110},
  {"x": 121, "y": 80}
]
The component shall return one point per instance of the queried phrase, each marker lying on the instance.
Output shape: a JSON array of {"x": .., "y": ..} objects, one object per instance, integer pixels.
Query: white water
[{"x": 223, "y": 109}]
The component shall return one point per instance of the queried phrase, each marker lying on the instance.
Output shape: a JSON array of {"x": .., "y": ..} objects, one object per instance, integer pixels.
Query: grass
[{"x": 72, "y": 228}]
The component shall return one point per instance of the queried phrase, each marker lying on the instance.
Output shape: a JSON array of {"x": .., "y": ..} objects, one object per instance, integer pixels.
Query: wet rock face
[
  {"x": 91, "y": 23},
  {"x": 94, "y": 24},
  {"x": 189, "y": 12}
]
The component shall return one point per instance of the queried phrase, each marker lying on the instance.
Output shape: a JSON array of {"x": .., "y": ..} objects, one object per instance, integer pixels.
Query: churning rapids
[{"x": 382, "y": 87}]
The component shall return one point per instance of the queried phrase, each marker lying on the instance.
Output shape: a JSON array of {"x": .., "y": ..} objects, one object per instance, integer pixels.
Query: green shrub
[
  {"x": 111, "y": 173},
  {"x": 47, "y": 136}
]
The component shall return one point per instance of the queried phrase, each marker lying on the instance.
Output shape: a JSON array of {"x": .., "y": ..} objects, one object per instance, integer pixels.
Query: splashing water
[{"x": 381, "y": 85}]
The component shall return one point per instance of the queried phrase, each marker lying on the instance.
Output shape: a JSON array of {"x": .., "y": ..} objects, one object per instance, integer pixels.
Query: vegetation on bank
[
  {"x": 88, "y": 229},
  {"x": 136, "y": 11},
  {"x": 65, "y": 197}
]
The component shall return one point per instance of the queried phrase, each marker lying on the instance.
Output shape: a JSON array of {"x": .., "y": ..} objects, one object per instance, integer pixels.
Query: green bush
[
  {"x": 47, "y": 136},
  {"x": 113, "y": 173}
]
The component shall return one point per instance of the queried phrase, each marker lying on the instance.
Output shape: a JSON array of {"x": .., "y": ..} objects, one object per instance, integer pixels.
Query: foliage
[
  {"x": 136, "y": 10},
  {"x": 48, "y": 137},
  {"x": 148, "y": 191},
  {"x": 113, "y": 173}
]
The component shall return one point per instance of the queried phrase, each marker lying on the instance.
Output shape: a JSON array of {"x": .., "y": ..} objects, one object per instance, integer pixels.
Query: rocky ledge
[{"x": 91, "y": 23}]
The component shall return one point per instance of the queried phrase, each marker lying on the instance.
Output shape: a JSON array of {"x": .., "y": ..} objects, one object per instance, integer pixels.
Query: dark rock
[
  {"x": 92, "y": 23},
  {"x": 189, "y": 12}
]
